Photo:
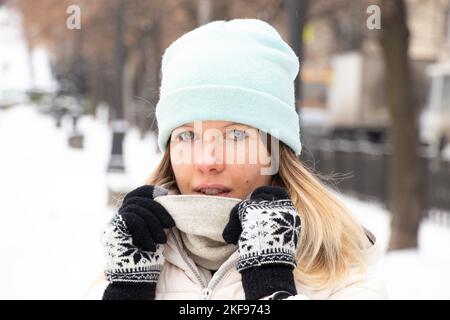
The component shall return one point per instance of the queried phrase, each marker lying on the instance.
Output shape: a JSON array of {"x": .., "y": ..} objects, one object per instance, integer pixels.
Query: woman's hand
[
  {"x": 266, "y": 229},
  {"x": 133, "y": 243}
]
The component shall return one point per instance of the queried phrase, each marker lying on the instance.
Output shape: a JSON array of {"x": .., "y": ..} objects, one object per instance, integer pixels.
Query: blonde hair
[{"x": 331, "y": 240}]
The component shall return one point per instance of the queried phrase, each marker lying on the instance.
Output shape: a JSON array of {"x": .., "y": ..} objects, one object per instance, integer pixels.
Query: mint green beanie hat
[{"x": 239, "y": 70}]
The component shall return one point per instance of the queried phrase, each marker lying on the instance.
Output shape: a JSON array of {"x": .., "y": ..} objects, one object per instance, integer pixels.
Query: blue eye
[
  {"x": 236, "y": 134},
  {"x": 185, "y": 136}
]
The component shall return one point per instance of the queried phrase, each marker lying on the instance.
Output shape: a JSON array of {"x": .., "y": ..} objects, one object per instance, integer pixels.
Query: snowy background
[
  {"x": 54, "y": 202},
  {"x": 20, "y": 68},
  {"x": 53, "y": 198}
]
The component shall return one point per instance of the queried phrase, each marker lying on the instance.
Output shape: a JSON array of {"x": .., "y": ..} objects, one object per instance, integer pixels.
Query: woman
[{"x": 226, "y": 88}]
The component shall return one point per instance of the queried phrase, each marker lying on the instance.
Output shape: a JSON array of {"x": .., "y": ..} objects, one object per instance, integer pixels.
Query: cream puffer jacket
[{"x": 181, "y": 278}]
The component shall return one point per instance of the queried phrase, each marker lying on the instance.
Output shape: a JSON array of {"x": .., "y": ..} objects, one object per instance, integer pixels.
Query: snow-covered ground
[
  {"x": 53, "y": 203},
  {"x": 409, "y": 274}
]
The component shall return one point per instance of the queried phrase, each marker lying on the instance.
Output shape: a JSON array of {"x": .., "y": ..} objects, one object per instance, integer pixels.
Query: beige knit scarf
[{"x": 201, "y": 220}]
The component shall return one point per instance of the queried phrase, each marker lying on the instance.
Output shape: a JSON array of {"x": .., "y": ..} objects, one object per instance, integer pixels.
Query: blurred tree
[
  {"x": 406, "y": 193},
  {"x": 345, "y": 18},
  {"x": 84, "y": 59}
]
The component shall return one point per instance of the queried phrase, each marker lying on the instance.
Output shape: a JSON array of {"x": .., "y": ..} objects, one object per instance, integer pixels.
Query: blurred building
[{"x": 343, "y": 70}]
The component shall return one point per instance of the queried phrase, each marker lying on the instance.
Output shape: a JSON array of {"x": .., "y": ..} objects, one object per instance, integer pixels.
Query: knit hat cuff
[{"x": 230, "y": 104}]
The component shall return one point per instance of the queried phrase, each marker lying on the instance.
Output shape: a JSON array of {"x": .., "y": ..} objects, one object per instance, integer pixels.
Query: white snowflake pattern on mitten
[
  {"x": 270, "y": 233},
  {"x": 126, "y": 262}
]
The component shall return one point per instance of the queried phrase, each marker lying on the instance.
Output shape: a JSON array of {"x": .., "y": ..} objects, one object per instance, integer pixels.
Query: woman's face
[{"x": 219, "y": 158}]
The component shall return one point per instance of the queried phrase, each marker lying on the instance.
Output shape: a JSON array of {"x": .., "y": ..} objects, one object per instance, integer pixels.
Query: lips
[{"x": 212, "y": 189}]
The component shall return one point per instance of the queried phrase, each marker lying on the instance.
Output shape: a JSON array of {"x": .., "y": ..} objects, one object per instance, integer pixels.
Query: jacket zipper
[
  {"x": 219, "y": 276},
  {"x": 193, "y": 269},
  {"x": 207, "y": 290}
]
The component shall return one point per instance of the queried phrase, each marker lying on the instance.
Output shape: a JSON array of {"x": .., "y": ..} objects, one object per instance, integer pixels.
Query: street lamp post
[{"x": 116, "y": 167}]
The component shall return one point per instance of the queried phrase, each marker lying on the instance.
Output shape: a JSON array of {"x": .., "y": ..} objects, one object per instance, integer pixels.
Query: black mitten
[
  {"x": 266, "y": 229},
  {"x": 133, "y": 243}
]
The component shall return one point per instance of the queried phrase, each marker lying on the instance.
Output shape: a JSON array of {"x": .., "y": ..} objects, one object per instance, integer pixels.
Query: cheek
[
  {"x": 180, "y": 154},
  {"x": 183, "y": 172},
  {"x": 183, "y": 177},
  {"x": 246, "y": 176}
]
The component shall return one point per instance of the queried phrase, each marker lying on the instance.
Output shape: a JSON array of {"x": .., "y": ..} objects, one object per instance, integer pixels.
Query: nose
[{"x": 209, "y": 157}]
